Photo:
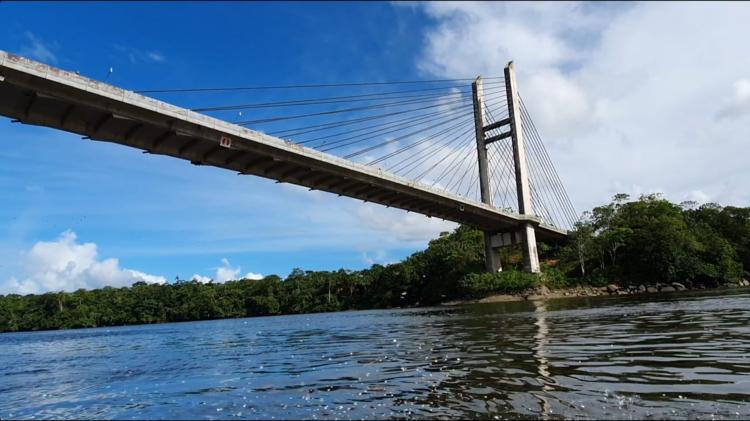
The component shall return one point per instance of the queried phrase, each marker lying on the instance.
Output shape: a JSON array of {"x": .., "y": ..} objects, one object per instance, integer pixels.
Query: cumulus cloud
[
  {"x": 225, "y": 273},
  {"x": 201, "y": 279},
  {"x": 636, "y": 94},
  {"x": 35, "y": 48},
  {"x": 67, "y": 265}
]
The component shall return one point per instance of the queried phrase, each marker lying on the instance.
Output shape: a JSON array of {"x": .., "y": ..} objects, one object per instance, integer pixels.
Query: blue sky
[
  {"x": 83, "y": 213},
  {"x": 164, "y": 216}
]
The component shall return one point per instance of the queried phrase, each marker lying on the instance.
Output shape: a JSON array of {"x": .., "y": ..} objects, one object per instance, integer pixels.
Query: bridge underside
[{"x": 33, "y": 93}]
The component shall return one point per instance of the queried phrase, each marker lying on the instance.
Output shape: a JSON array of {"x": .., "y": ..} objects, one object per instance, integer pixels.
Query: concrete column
[
  {"x": 528, "y": 235},
  {"x": 491, "y": 260},
  {"x": 479, "y": 123},
  {"x": 491, "y": 254},
  {"x": 530, "y": 254}
]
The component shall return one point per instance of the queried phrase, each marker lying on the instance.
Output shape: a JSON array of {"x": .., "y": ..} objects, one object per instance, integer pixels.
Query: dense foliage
[
  {"x": 477, "y": 285},
  {"x": 644, "y": 241},
  {"x": 652, "y": 240}
]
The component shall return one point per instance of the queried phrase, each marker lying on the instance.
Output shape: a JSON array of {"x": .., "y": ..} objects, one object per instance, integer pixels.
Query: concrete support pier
[
  {"x": 528, "y": 234},
  {"x": 491, "y": 257},
  {"x": 530, "y": 253},
  {"x": 492, "y": 261}
]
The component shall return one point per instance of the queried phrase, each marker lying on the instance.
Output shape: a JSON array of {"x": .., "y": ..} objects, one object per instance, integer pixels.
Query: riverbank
[
  {"x": 544, "y": 293},
  {"x": 649, "y": 239}
]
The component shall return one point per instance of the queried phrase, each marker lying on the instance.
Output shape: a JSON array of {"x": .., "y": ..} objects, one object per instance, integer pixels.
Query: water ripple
[{"x": 685, "y": 356}]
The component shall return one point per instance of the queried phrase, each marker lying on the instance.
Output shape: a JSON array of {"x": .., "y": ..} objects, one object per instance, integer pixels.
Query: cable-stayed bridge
[{"x": 465, "y": 150}]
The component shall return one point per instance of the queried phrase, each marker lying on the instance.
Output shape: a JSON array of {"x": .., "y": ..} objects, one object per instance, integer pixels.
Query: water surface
[{"x": 682, "y": 356}]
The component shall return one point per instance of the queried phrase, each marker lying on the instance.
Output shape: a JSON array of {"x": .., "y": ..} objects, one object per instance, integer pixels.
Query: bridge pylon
[{"x": 526, "y": 234}]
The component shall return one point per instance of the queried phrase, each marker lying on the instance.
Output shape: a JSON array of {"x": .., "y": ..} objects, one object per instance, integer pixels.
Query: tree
[{"x": 645, "y": 241}]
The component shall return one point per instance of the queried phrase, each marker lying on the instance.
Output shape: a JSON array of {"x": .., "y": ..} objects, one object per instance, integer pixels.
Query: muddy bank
[{"x": 544, "y": 293}]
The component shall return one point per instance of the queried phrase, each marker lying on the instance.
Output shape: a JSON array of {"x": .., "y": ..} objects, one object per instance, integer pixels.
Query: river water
[{"x": 681, "y": 356}]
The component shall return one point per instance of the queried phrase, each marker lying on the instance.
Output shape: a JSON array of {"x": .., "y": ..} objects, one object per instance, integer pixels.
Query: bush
[
  {"x": 477, "y": 285},
  {"x": 554, "y": 278},
  {"x": 598, "y": 278}
]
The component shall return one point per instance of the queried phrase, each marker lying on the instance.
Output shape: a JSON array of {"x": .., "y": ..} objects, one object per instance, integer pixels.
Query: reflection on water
[
  {"x": 676, "y": 357},
  {"x": 540, "y": 313}
]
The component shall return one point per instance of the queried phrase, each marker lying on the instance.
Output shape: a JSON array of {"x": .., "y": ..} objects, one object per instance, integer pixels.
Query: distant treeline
[{"x": 644, "y": 241}]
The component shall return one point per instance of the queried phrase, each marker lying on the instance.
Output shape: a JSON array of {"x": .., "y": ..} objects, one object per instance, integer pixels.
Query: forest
[{"x": 645, "y": 241}]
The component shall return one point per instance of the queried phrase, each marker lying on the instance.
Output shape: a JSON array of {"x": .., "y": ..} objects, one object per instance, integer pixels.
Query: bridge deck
[{"x": 34, "y": 93}]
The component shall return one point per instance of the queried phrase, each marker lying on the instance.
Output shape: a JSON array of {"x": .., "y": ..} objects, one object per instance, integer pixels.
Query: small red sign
[{"x": 225, "y": 142}]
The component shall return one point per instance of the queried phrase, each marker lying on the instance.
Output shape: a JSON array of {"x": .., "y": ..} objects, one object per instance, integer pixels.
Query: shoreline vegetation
[
  {"x": 641, "y": 246},
  {"x": 544, "y": 293}
]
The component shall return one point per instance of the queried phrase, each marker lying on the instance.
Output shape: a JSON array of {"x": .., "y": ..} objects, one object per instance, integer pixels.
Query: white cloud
[
  {"x": 136, "y": 55},
  {"x": 634, "y": 94},
  {"x": 698, "y": 196},
  {"x": 377, "y": 256},
  {"x": 346, "y": 223},
  {"x": 471, "y": 37},
  {"x": 225, "y": 273},
  {"x": 201, "y": 279},
  {"x": 155, "y": 56},
  {"x": 740, "y": 101},
  {"x": 37, "y": 49},
  {"x": 66, "y": 265},
  {"x": 566, "y": 107},
  {"x": 409, "y": 227}
]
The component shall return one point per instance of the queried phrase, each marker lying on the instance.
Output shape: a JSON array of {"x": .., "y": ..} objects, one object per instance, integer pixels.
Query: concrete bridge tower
[{"x": 525, "y": 234}]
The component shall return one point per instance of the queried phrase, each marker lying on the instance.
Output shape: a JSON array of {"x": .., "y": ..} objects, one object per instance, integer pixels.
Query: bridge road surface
[{"x": 38, "y": 94}]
